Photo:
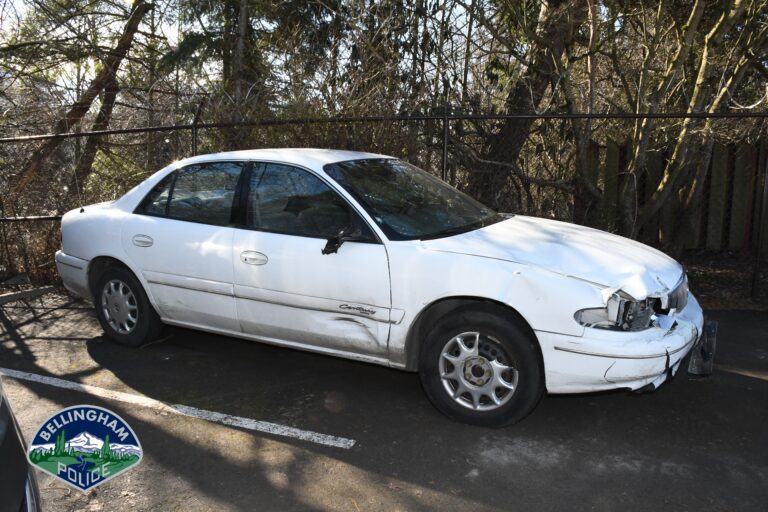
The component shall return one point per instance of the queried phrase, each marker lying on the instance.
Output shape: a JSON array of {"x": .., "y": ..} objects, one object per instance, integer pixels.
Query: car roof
[
  {"x": 306, "y": 157},
  {"x": 309, "y": 158}
]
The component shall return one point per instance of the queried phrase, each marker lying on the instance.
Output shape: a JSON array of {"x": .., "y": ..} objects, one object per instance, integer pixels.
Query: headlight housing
[
  {"x": 621, "y": 312},
  {"x": 624, "y": 313}
]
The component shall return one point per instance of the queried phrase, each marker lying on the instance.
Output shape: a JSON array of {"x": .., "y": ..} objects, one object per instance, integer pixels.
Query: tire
[
  {"x": 482, "y": 350},
  {"x": 123, "y": 309}
]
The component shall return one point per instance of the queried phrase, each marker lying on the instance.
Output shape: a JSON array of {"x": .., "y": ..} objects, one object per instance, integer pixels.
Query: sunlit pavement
[{"x": 694, "y": 444}]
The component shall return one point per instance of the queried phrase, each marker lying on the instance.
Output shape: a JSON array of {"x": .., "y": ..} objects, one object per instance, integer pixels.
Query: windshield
[{"x": 408, "y": 203}]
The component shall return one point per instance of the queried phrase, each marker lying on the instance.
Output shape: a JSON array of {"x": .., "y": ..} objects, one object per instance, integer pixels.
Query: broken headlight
[
  {"x": 621, "y": 312},
  {"x": 677, "y": 299}
]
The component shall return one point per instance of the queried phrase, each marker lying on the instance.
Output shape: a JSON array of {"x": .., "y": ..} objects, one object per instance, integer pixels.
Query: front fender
[{"x": 420, "y": 277}]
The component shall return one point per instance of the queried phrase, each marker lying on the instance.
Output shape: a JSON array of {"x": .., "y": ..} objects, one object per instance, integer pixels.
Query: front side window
[
  {"x": 288, "y": 200},
  {"x": 197, "y": 193},
  {"x": 408, "y": 203}
]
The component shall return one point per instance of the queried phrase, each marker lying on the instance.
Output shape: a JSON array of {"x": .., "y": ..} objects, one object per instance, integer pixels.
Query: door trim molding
[
  {"x": 189, "y": 283},
  {"x": 309, "y": 302}
]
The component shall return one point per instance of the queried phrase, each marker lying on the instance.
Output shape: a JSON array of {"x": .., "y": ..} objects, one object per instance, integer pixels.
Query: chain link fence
[{"x": 577, "y": 168}]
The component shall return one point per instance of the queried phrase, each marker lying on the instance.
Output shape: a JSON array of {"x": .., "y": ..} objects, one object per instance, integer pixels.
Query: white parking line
[{"x": 185, "y": 410}]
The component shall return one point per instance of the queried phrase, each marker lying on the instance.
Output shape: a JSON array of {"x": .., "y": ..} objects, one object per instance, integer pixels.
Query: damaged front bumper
[{"x": 603, "y": 359}]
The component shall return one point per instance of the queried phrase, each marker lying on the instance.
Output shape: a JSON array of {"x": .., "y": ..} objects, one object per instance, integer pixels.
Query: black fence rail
[
  {"x": 30, "y": 218},
  {"x": 446, "y": 118},
  {"x": 732, "y": 210}
]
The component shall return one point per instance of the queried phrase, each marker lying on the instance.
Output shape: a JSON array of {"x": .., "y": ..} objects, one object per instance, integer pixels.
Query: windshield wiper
[{"x": 448, "y": 232}]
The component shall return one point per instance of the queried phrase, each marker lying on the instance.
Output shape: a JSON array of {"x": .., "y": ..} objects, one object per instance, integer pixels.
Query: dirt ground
[
  {"x": 724, "y": 280},
  {"x": 694, "y": 444}
]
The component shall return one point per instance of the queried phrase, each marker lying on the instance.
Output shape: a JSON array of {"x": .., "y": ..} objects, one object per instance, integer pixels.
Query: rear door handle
[
  {"x": 142, "y": 241},
  {"x": 253, "y": 258}
]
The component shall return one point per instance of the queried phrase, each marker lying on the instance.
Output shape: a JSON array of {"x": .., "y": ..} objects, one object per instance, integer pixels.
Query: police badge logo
[{"x": 84, "y": 446}]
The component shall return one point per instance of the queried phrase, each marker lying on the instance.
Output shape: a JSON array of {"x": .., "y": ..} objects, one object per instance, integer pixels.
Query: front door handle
[
  {"x": 142, "y": 241},
  {"x": 253, "y": 258}
]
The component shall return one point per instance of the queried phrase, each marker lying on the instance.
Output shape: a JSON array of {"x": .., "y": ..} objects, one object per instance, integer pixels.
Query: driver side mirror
[{"x": 349, "y": 233}]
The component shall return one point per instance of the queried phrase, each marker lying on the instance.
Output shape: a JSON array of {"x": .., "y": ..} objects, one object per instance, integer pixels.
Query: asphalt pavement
[{"x": 694, "y": 444}]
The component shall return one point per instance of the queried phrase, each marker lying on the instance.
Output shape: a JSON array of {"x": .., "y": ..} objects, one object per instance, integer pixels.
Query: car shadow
[
  {"x": 694, "y": 442},
  {"x": 579, "y": 439}
]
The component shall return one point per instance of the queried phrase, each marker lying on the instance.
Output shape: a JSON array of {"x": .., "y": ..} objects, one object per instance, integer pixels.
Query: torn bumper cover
[{"x": 603, "y": 359}]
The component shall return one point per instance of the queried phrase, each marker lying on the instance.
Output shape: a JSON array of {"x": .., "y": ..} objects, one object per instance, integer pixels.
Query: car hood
[{"x": 576, "y": 251}]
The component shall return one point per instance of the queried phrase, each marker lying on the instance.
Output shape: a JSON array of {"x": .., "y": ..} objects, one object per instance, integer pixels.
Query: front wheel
[
  {"x": 123, "y": 309},
  {"x": 481, "y": 367}
]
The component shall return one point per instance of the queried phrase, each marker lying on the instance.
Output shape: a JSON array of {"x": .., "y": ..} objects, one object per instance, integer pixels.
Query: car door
[
  {"x": 286, "y": 289},
  {"x": 180, "y": 238}
]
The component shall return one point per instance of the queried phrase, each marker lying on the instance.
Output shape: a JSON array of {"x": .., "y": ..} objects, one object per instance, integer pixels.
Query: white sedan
[{"x": 367, "y": 257}]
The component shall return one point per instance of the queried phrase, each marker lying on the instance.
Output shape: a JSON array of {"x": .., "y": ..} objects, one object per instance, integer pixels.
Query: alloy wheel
[{"x": 477, "y": 372}]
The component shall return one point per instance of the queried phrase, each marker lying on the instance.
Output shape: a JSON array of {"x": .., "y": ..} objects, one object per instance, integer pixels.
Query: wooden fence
[{"x": 731, "y": 207}]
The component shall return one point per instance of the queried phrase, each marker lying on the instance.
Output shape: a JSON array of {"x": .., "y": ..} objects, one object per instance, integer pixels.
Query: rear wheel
[
  {"x": 481, "y": 367},
  {"x": 124, "y": 310}
]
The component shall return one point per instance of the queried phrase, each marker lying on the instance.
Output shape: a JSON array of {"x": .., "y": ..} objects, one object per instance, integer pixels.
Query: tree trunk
[
  {"x": 85, "y": 164},
  {"x": 642, "y": 129},
  {"x": 558, "y": 20},
  {"x": 693, "y": 200},
  {"x": 586, "y": 194},
  {"x": 467, "y": 52},
  {"x": 108, "y": 72},
  {"x": 674, "y": 171},
  {"x": 239, "y": 133}
]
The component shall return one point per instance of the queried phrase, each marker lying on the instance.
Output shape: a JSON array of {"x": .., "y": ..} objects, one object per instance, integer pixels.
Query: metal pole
[
  {"x": 761, "y": 232},
  {"x": 445, "y": 143},
  {"x": 6, "y": 245},
  {"x": 31, "y": 218},
  {"x": 194, "y": 126}
]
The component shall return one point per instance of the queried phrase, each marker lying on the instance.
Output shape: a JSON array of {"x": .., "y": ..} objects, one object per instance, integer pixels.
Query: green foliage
[
  {"x": 105, "y": 453},
  {"x": 60, "y": 444}
]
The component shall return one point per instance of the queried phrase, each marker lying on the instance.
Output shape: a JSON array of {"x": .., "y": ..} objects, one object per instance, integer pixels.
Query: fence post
[
  {"x": 6, "y": 246},
  {"x": 445, "y": 143},
  {"x": 760, "y": 229},
  {"x": 194, "y": 126}
]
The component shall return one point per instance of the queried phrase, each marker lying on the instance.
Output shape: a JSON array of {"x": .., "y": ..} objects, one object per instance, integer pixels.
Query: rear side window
[
  {"x": 156, "y": 201},
  {"x": 197, "y": 193},
  {"x": 204, "y": 193}
]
